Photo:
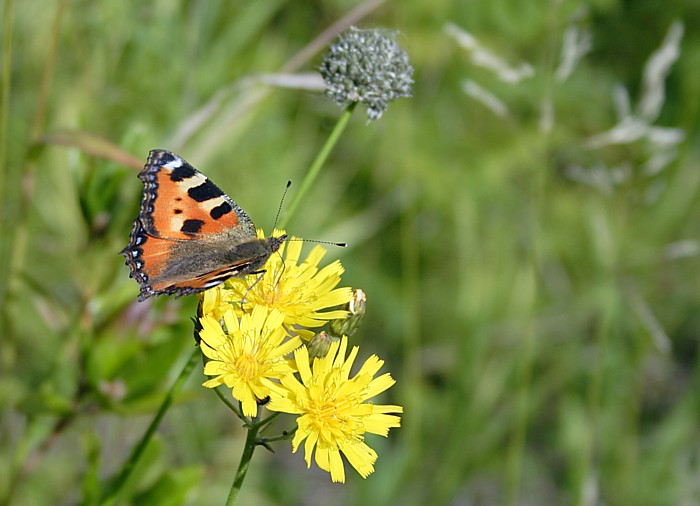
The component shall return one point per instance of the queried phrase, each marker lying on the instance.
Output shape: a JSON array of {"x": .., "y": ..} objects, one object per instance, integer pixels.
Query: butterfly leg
[{"x": 262, "y": 273}]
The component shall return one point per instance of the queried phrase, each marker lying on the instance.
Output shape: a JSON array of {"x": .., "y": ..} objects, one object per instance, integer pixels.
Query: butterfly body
[{"x": 189, "y": 235}]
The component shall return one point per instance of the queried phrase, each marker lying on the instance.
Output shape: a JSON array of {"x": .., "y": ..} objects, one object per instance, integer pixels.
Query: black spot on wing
[
  {"x": 163, "y": 156},
  {"x": 184, "y": 171},
  {"x": 205, "y": 191},
  {"x": 219, "y": 211},
  {"x": 178, "y": 211},
  {"x": 191, "y": 226}
]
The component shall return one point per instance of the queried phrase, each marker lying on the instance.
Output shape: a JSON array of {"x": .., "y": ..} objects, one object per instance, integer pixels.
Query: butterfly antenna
[
  {"x": 279, "y": 209},
  {"x": 331, "y": 243}
]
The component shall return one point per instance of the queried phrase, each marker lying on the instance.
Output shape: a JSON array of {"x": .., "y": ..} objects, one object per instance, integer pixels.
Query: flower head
[
  {"x": 319, "y": 345},
  {"x": 214, "y": 302},
  {"x": 367, "y": 66},
  {"x": 300, "y": 291},
  {"x": 246, "y": 352},
  {"x": 333, "y": 414}
]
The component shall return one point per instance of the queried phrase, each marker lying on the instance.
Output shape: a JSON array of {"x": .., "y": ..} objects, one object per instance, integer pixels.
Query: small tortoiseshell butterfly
[{"x": 189, "y": 235}]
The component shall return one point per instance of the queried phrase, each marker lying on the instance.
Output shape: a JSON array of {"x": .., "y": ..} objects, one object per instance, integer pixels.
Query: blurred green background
[{"x": 526, "y": 227}]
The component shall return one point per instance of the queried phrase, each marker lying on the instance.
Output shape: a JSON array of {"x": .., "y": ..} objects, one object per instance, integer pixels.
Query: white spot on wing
[
  {"x": 176, "y": 222},
  {"x": 195, "y": 180}
]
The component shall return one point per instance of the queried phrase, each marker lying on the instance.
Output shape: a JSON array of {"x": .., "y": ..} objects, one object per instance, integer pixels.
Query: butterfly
[{"x": 189, "y": 235}]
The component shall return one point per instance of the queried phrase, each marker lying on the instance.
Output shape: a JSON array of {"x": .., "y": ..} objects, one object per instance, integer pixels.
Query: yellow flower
[
  {"x": 245, "y": 353},
  {"x": 214, "y": 302},
  {"x": 333, "y": 414},
  {"x": 302, "y": 292}
]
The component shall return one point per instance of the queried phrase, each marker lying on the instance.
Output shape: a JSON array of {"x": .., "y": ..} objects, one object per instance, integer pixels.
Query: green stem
[
  {"x": 264, "y": 422},
  {"x": 282, "y": 437},
  {"x": 138, "y": 450},
  {"x": 250, "y": 443},
  {"x": 222, "y": 396},
  {"x": 317, "y": 164}
]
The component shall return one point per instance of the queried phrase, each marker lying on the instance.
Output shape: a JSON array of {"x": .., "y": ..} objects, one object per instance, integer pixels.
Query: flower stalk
[
  {"x": 318, "y": 162},
  {"x": 248, "y": 449}
]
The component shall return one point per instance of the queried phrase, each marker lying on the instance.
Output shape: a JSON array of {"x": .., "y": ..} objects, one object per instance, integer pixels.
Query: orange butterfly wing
[
  {"x": 182, "y": 203},
  {"x": 189, "y": 235}
]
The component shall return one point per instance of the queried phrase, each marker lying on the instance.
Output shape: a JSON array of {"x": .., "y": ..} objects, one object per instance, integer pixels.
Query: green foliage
[{"x": 533, "y": 288}]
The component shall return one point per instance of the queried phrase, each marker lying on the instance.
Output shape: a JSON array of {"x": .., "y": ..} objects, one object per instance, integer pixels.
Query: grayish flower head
[{"x": 367, "y": 66}]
